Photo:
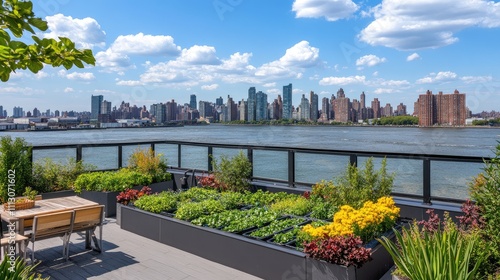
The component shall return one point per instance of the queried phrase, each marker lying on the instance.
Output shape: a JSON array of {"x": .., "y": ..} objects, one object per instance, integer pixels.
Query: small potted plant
[{"x": 27, "y": 201}]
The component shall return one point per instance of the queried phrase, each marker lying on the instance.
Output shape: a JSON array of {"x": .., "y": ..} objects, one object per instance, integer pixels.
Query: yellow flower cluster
[{"x": 344, "y": 221}]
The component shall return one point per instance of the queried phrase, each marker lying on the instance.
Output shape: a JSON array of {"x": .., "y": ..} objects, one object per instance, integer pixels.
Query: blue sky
[{"x": 154, "y": 51}]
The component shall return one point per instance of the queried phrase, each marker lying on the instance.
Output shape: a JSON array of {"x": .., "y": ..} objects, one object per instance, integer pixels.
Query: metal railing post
[
  {"x": 78, "y": 153},
  {"x": 427, "y": 181},
  {"x": 210, "y": 157},
  {"x": 120, "y": 156},
  {"x": 179, "y": 155},
  {"x": 250, "y": 159},
  {"x": 291, "y": 168},
  {"x": 353, "y": 159}
]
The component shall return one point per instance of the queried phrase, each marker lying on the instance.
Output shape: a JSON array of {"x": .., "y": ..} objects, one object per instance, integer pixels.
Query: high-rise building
[
  {"x": 441, "y": 109},
  {"x": 171, "y": 111},
  {"x": 17, "y": 112},
  {"x": 95, "y": 106},
  {"x": 342, "y": 107},
  {"x": 376, "y": 108},
  {"x": 280, "y": 108},
  {"x": 206, "y": 109},
  {"x": 387, "y": 110},
  {"x": 159, "y": 110},
  {"x": 325, "y": 109},
  {"x": 243, "y": 105},
  {"x": 36, "y": 113},
  {"x": 313, "y": 98},
  {"x": 192, "y": 101},
  {"x": 261, "y": 106},
  {"x": 252, "y": 104},
  {"x": 304, "y": 109},
  {"x": 401, "y": 110},
  {"x": 1, "y": 112},
  {"x": 105, "y": 107},
  {"x": 287, "y": 102},
  {"x": 219, "y": 101}
]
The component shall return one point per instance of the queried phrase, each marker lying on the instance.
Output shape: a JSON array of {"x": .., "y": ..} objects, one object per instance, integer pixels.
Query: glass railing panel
[
  {"x": 56, "y": 155},
  {"x": 194, "y": 157},
  {"x": 407, "y": 173},
  {"x": 169, "y": 152},
  {"x": 312, "y": 168},
  {"x": 101, "y": 157},
  {"x": 128, "y": 150},
  {"x": 452, "y": 179},
  {"x": 227, "y": 152},
  {"x": 270, "y": 164}
]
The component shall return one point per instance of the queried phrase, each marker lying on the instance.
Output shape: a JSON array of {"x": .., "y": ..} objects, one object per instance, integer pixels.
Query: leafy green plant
[
  {"x": 191, "y": 210},
  {"x": 287, "y": 236},
  {"x": 261, "y": 198},
  {"x": 256, "y": 217},
  {"x": 51, "y": 176},
  {"x": 30, "y": 193},
  {"x": 18, "y": 271},
  {"x": 294, "y": 205},
  {"x": 15, "y": 166},
  {"x": 111, "y": 180},
  {"x": 356, "y": 186},
  {"x": 276, "y": 226},
  {"x": 146, "y": 161},
  {"x": 444, "y": 253},
  {"x": 322, "y": 210},
  {"x": 156, "y": 203},
  {"x": 233, "y": 174},
  {"x": 198, "y": 194},
  {"x": 232, "y": 200}
]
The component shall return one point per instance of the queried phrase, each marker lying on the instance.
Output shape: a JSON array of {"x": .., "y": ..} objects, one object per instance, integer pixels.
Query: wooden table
[{"x": 45, "y": 206}]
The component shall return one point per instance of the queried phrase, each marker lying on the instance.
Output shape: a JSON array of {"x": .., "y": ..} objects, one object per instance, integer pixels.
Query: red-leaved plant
[
  {"x": 132, "y": 195},
  {"x": 209, "y": 181},
  {"x": 342, "y": 250}
]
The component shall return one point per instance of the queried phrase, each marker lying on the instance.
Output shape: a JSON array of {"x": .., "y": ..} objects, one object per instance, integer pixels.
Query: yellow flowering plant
[{"x": 371, "y": 220}]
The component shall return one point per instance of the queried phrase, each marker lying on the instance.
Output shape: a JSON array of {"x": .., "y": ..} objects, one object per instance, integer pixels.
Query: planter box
[
  {"x": 374, "y": 269},
  {"x": 161, "y": 186},
  {"x": 108, "y": 199},
  {"x": 58, "y": 194},
  {"x": 259, "y": 258}
]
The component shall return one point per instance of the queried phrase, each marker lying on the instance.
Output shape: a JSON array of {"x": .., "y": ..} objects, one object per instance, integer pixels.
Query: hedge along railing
[{"x": 201, "y": 160}]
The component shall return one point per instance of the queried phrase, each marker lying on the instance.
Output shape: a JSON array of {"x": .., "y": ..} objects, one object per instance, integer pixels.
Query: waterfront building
[
  {"x": 400, "y": 110},
  {"x": 313, "y": 110},
  {"x": 287, "y": 102},
  {"x": 342, "y": 107},
  {"x": 280, "y": 107},
  {"x": 376, "y": 109},
  {"x": 57, "y": 113},
  {"x": 261, "y": 106},
  {"x": 252, "y": 103},
  {"x": 105, "y": 107},
  {"x": 171, "y": 111},
  {"x": 17, "y": 112},
  {"x": 159, "y": 110},
  {"x": 206, "y": 109},
  {"x": 304, "y": 109},
  {"x": 275, "y": 109},
  {"x": 242, "y": 108},
  {"x": 219, "y": 101},
  {"x": 36, "y": 113},
  {"x": 363, "y": 111},
  {"x": 95, "y": 106},
  {"x": 1, "y": 112},
  {"x": 441, "y": 109},
  {"x": 325, "y": 109},
  {"x": 387, "y": 111},
  {"x": 192, "y": 101}
]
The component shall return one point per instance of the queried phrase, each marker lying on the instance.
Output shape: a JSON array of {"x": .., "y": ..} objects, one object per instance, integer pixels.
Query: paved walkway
[{"x": 127, "y": 256}]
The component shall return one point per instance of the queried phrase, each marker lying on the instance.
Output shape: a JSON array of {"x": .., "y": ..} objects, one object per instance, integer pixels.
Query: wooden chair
[
  {"x": 88, "y": 219},
  {"x": 58, "y": 224}
]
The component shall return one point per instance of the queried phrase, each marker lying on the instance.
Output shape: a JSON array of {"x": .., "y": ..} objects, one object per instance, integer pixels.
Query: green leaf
[{"x": 38, "y": 23}]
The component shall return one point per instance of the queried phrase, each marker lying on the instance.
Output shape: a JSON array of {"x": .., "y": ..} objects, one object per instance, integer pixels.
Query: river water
[{"x": 447, "y": 180}]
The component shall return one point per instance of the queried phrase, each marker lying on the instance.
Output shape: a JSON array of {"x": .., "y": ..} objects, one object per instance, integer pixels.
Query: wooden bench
[
  {"x": 46, "y": 226},
  {"x": 88, "y": 219},
  {"x": 6, "y": 242}
]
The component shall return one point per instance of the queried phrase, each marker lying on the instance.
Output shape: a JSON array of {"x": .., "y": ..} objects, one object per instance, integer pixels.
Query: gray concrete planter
[
  {"x": 162, "y": 186},
  {"x": 108, "y": 199},
  {"x": 259, "y": 258},
  {"x": 58, "y": 194}
]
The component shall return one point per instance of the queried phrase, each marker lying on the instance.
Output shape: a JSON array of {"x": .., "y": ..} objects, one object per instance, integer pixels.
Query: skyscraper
[
  {"x": 192, "y": 101},
  {"x": 95, "y": 106},
  {"x": 219, "y": 101},
  {"x": 376, "y": 108},
  {"x": 261, "y": 106},
  {"x": 105, "y": 107},
  {"x": 287, "y": 102},
  {"x": 252, "y": 103},
  {"x": 17, "y": 112},
  {"x": 441, "y": 109},
  {"x": 304, "y": 108},
  {"x": 325, "y": 108},
  {"x": 1, "y": 112},
  {"x": 313, "y": 98}
]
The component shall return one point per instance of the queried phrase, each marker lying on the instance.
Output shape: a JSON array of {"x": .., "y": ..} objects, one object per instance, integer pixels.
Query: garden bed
[{"x": 256, "y": 257}]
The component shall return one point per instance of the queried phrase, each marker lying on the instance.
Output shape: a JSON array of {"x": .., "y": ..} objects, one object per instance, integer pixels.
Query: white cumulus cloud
[
  {"x": 68, "y": 90},
  {"x": 370, "y": 60},
  {"x": 331, "y": 10},
  {"x": 416, "y": 24},
  {"x": 144, "y": 44},
  {"x": 85, "y": 76},
  {"x": 328, "y": 81},
  {"x": 438, "y": 78},
  {"x": 86, "y": 32},
  {"x": 210, "y": 87},
  {"x": 412, "y": 57}
]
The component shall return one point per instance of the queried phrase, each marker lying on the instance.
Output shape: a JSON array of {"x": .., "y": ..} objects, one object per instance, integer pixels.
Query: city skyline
[{"x": 145, "y": 56}]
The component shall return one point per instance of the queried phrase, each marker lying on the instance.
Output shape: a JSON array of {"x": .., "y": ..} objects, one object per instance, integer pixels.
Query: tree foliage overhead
[{"x": 16, "y": 18}]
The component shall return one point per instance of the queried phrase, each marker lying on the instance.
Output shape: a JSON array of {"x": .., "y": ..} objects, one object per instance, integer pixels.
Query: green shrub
[
  {"x": 232, "y": 200},
  {"x": 146, "y": 161},
  {"x": 485, "y": 191},
  {"x": 15, "y": 166},
  {"x": 111, "y": 180},
  {"x": 49, "y": 176},
  {"x": 261, "y": 198},
  {"x": 356, "y": 186},
  {"x": 442, "y": 254},
  {"x": 322, "y": 210},
  {"x": 156, "y": 203},
  {"x": 198, "y": 194},
  {"x": 233, "y": 174}
]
